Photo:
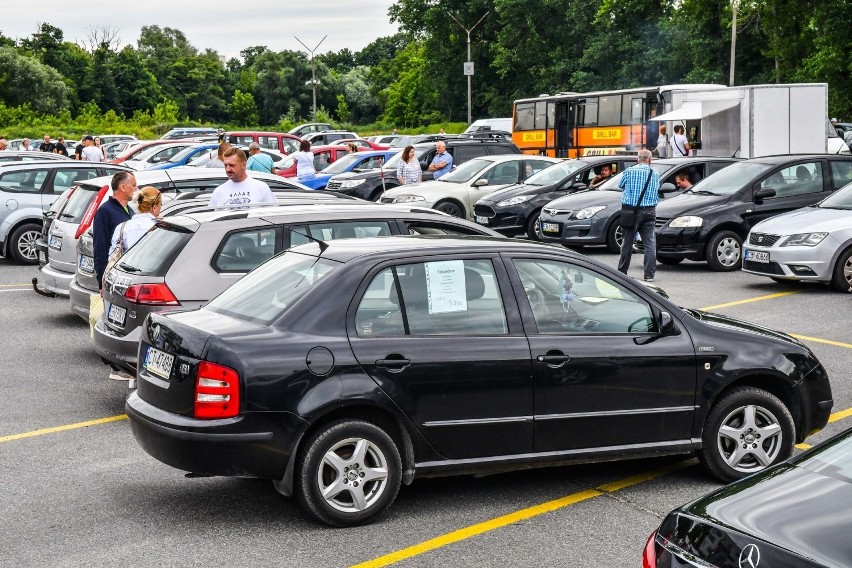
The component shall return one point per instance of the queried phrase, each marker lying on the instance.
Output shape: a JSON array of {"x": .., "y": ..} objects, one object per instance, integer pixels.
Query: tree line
[{"x": 521, "y": 48}]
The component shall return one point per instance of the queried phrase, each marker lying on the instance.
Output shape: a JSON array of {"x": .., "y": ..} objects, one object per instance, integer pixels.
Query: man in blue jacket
[{"x": 110, "y": 215}]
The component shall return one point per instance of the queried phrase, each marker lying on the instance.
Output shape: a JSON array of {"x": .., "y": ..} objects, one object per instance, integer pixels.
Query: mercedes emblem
[{"x": 750, "y": 556}]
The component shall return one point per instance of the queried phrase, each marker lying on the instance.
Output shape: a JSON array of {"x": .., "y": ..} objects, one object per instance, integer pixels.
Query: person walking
[
  {"x": 662, "y": 148},
  {"x": 60, "y": 147},
  {"x": 240, "y": 189},
  {"x": 149, "y": 201},
  {"x": 304, "y": 161},
  {"x": 640, "y": 187},
  {"x": 408, "y": 170},
  {"x": 110, "y": 215},
  {"x": 91, "y": 152},
  {"x": 258, "y": 161},
  {"x": 679, "y": 145},
  {"x": 442, "y": 162}
]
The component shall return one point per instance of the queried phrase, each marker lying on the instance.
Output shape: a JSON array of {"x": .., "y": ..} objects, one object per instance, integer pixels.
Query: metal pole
[
  {"x": 734, "y": 6},
  {"x": 469, "y": 114},
  {"x": 313, "y": 71}
]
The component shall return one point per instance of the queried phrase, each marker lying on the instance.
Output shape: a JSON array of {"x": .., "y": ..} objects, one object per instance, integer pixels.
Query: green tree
[
  {"x": 243, "y": 110},
  {"x": 24, "y": 80},
  {"x": 343, "y": 112},
  {"x": 136, "y": 87},
  {"x": 411, "y": 98}
]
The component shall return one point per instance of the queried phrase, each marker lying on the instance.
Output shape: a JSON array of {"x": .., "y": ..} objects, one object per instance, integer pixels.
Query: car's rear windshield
[
  {"x": 268, "y": 291},
  {"x": 154, "y": 253},
  {"x": 78, "y": 203}
]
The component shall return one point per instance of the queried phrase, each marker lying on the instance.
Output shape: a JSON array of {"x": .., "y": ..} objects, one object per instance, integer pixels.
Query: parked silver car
[
  {"x": 78, "y": 213},
  {"x": 189, "y": 259},
  {"x": 29, "y": 156},
  {"x": 810, "y": 244}
]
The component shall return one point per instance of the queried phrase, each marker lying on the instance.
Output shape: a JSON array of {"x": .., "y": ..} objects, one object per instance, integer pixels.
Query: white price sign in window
[{"x": 445, "y": 285}]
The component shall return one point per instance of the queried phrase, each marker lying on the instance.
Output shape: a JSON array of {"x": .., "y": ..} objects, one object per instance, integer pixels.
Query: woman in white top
[
  {"x": 408, "y": 170},
  {"x": 149, "y": 204},
  {"x": 662, "y": 143},
  {"x": 304, "y": 161}
]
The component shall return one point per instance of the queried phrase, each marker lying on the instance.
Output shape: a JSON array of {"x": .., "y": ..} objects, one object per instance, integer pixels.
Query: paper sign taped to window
[{"x": 445, "y": 286}]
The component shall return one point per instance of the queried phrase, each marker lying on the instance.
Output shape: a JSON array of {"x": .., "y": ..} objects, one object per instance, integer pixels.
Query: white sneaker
[{"x": 120, "y": 376}]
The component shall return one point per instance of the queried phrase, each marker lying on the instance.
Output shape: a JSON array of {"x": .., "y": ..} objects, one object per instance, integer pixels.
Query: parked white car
[{"x": 455, "y": 193}]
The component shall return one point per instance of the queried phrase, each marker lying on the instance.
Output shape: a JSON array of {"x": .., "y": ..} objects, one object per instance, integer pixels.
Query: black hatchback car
[
  {"x": 341, "y": 370},
  {"x": 712, "y": 221}
]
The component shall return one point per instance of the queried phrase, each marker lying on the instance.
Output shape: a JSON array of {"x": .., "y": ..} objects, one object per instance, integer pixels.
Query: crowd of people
[{"x": 90, "y": 147}]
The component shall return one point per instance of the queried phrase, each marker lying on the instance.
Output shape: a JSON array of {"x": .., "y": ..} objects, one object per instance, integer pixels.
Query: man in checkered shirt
[{"x": 631, "y": 184}]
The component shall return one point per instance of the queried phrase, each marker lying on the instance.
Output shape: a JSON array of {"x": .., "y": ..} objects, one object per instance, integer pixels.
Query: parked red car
[
  {"x": 323, "y": 156},
  {"x": 365, "y": 144},
  {"x": 132, "y": 151}
]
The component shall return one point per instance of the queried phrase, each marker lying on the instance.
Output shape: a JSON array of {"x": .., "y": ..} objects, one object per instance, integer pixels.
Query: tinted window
[
  {"x": 540, "y": 115},
  {"x": 77, "y": 204},
  {"x": 245, "y": 250},
  {"x": 569, "y": 299},
  {"x": 587, "y": 112},
  {"x": 464, "y": 153},
  {"x": 341, "y": 230},
  {"x": 270, "y": 142},
  {"x": 525, "y": 116},
  {"x": 799, "y": 179},
  {"x": 378, "y": 313},
  {"x": 504, "y": 173},
  {"x": 65, "y": 178},
  {"x": 153, "y": 254},
  {"x": 609, "y": 110},
  {"x": 841, "y": 173},
  {"x": 29, "y": 181}
]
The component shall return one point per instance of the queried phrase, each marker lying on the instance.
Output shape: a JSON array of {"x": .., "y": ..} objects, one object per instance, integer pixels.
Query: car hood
[
  {"x": 791, "y": 514},
  {"x": 719, "y": 320},
  {"x": 584, "y": 199},
  {"x": 688, "y": 203},
  {"x": 422, "y": 187},
  {"x": 514, "y": 190},
  {"x": 806, "y": 220}
]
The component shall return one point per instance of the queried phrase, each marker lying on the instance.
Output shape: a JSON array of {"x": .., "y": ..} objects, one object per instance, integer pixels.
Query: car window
[
  {"x": 437, "y": 228},
  {"x": 841, "y": 172},
  {"x": 28, "y": 181},
  {"x": 379, "y": 314},
  {"x": 244, "y": 250},
  {"x": 270, "y": 142},
  {"x": 78, "y": 203},
  {"x": 798, "y": 179},
  {"x": 65, "y": 178},
  {"x": 289, "y": 145},
  {"x": 464, "y": 153},
  {"x": 241, "y": 140},
  {"x": 532, "y": 167},
  {"x": 570, "y": 299},
  {"x": 322, "y": 160},
  {"x": 503, "y": 173},
  {"x": 695, "y": 172},
  {"x": 713, "y": 167},
  {"x": 153, "y": 254},
  {"x": 339, "y": 230},
  {"x": 451, "y": 297}
]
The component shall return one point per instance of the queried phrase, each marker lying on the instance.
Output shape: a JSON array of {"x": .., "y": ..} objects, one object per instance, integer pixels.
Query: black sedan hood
[
  {"x": 741, "y": 325},
  {"x": 517, "y": 189},
  {"x": 805, "y": 515},
  {"x": 585, "y": 198},
  {"x": 688, "y": 204}
]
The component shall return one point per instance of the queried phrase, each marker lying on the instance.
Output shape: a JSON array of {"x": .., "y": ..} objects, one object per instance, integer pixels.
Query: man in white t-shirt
[
  {"x": 240, "y": 189},
  {"x": 90, "y": 151},
  {"x": 679, "y": 144}
]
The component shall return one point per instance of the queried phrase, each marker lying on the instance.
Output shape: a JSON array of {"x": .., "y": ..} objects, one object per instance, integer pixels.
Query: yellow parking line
[
  {"x": 62, "y": 428},
  {"x": 804, "y": 446},
  {"x": 840, "y": 415},
  {"x": 818, "y": 340},
  {"x": 748, "y": 301}
]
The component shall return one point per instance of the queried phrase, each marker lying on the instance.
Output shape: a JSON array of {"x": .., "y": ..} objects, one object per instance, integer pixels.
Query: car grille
[
  {"x": 484, "y": 211},
  {"x": 763, "y": 267},
  {"x": 333, "y": 184},
  {"x": 763, "y": 239},
  {"x": 555, "y": 212},
  {"x": 660, "y": 222}
]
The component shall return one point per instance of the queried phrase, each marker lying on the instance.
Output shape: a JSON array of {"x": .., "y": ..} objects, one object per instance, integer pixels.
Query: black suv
[{"x": 371, "y": 184}]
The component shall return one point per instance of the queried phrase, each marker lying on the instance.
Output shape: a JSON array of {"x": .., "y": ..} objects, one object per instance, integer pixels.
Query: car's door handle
[
  {"x": 553, "y": 359},
  {"x": 393, "y": 363}
]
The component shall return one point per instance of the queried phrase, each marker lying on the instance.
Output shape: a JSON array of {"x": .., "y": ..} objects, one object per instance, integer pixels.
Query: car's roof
[
  {"x": 513, "y": 157},
  {"x": 40, "y": 164},
  {"x": 693, "y": 159},
  {"x": 260, "y": 133},
  {"x": 782, "y": 158},
  {"x": 185, "y": 174},
  {"x": 37, "y": 154},
  {"x": 432, "y": 139},
  {"x": 330, "y": 209}
]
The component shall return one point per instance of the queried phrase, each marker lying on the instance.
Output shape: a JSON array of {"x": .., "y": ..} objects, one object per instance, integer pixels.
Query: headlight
[
  {"x": 408, "y": 198},
  {"x": 687, "y": 221},
  {"x": 514, "y": 200},
  {"x": 589, "y": 212},
  {"x": 351, "y": 183},
  {"x": 805, "y": 240}
]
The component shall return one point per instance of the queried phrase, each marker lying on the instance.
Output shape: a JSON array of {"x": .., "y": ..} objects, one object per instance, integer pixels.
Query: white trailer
[{"x": 751, "y": 120}]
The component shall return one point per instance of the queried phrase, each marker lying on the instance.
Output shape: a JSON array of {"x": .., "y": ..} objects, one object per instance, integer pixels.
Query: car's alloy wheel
[
  {"x": 747, "y": 431},
  {"x": 350, "y": 471},
  {"x": 842, "y": 278},
  {"x": 614, "y": 237},
  {"x": 450, "y": 208},
  {"x": 534, "y": 226},
  {"x": 23, "y": 243},
  {"x": 724, "y": 253}
]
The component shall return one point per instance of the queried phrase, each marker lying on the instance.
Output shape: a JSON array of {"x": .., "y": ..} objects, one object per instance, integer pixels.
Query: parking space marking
[
  {"x": 748, "y": 301},
  {"x": 62, "y": 428},
  {"x": 840, "y": 415},
  {"x": 17, "y": 290},
  {"x": 12, "y": 285},
  {"x": 826, "y": 341}
]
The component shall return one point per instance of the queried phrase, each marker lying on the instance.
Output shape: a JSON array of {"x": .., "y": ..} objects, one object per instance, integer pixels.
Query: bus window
[
  {"x": 609, "y": 110},
  {"x": 637, "y": 111},
  {"x": 587, "y": 112},
  {"x": 540, "y": 115},
  {"x": 525, "y": 116},
  {"x": 626, "y": 109},
  {"x": 551, "y": 114}
]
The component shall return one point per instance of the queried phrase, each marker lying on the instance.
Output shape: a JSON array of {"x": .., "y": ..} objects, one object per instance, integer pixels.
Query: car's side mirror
[
  {"x": 764, "y": 193},
  {"x": 667, "y": 188},
  {"x": 666, "y": 324},
  {"x": 480, "y": 182}
]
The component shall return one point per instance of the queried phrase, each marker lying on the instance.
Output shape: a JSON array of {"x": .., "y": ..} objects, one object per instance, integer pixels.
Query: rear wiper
[{"x": 128, "y": 268}]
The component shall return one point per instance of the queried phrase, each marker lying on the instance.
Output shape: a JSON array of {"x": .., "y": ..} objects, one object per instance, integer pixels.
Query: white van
[{"x": 504, "y": 124}]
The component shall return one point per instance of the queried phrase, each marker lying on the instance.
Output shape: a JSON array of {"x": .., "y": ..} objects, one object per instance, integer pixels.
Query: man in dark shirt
[
  {"x": 110, "y": 215},
  {"x": 60, "y": 147},
  {"x": 47, "y": 145}
]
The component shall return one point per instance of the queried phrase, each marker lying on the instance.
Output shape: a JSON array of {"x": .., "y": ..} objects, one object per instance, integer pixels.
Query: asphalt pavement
[{"x": 87, "y": 495}]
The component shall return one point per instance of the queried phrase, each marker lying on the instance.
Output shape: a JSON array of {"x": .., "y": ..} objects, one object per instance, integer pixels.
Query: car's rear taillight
[
  {"x": 217, "y": 391},
  {"x": 649, "y": 556},
  {"x": 151, "y": 295},
  {"x": 89, "y": 216}
]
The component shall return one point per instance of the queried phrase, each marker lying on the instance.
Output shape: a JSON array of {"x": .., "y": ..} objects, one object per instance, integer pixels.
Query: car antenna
[
  {"x": 171, "y": 181},
  {"x": 322, "y": 244}
]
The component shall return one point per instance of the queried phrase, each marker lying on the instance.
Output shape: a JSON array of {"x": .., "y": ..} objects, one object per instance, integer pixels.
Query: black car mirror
[
  {"x": 764, "y": 193},
  {"x": 666, "y": 324},
  {"x": 667, "y": 188}
]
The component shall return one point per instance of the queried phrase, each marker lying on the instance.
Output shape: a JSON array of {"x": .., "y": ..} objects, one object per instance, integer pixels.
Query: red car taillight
[
  {"x": 89, "y": 215},
  {"x": 217, "y": 391},
  {"x": 151, "y": 295},
  {"x": 649, "y": 556}
]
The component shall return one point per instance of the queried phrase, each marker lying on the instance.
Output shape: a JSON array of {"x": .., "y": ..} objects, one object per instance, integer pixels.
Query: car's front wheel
[
  {"x": 22, "y": 243},
  {"x": 533, "y": 226},
  {"x": 746, "y": 431},
  {"x": 450, "y": 208},
  {"x": 349, "y": 472},
  {"x": 842, "y": 278},
  {"x": 614, "y": 237},
  {"x": 725, "y": 251}
]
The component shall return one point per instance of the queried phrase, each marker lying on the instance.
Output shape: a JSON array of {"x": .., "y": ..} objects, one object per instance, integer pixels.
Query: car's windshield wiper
[
  {"x": 128, "y": 268},
  {"x": 703, "y": 192}
]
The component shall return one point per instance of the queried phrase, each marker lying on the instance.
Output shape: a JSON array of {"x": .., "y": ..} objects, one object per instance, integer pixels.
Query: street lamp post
[
  {"x": 313, "y": 71},
  {"x": 468, "y": 66},
  {"x": 734, "y": 5}
]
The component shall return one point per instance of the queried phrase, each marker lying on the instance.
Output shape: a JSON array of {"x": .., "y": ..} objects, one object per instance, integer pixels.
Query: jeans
[{"x": 645, "y": 221}]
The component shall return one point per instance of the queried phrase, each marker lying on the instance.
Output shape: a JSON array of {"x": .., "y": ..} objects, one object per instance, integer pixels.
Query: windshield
[
  {"x": 840, "y": 199},
  {"x": 272, "y": 288},
  {"x": 555, "y": 173},
  {"x": 184, "y": 153},
  {"x": 148, "y": 152},
  {"x": 78, "y": 203},
  {"x": 732, "y": 178},
  {"x": 343, "y": 164},
  {"x": 202, "y": 159},
  {"x": 612, "y": 184},
  {"x": 466, "y": 171},
  {"x": 418, "y": 153}
]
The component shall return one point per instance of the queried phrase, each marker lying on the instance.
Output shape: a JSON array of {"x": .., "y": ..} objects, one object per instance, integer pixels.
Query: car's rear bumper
[
  {"x": 56, "y": 281},
  {"x": 81, "y": 299},
  {"x": 256, "y": 444},
  {"x": 119, "y": 350}
]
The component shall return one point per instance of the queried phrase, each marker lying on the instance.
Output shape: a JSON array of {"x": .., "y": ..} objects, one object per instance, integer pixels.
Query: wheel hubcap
[
  {"x": 537, "y": 227},
  {"x": 750, "y": 439},
  {"x": 27, "y": 245},
  {"x": 847, "y": 271},
  {"x": 728, "y": 251},
  {"x": 353, "y": 475},
  {"x": 619, "y": 237}
]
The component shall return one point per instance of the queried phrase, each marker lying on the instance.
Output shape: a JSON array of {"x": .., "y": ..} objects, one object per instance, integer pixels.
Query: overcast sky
[{"x": 214, "y": 24}]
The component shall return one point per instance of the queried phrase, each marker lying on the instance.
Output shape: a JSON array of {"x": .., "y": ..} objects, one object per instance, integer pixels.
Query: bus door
[
  {"x": 637, "y": 121},
  {"x": 649, "y": 130},
  {"x": 564, "y": 128}
]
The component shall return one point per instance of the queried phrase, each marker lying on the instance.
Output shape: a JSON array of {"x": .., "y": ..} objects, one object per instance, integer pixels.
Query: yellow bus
[{"x": 570, "y": 125}]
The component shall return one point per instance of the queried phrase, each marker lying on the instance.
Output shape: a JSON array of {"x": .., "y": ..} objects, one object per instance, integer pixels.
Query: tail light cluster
[
  {"x": 217, "y": 391},
  {"x": 649, "y": 555},
  {"x": 151, "y": 295}
]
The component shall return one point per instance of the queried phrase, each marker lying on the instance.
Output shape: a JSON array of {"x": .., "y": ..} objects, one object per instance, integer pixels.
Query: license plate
[
  {"x": 550, "y": 227},
  {"x": 481, "y": 220},
  {"x": 42, "y": 258},
  {"x": 55, "y": 243},
  {"x": 87, "y": 264},
  {"x": 116, "y": 315},
  {"x": 159, "y": 362},
  {"x": 757, "y": 256}
]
